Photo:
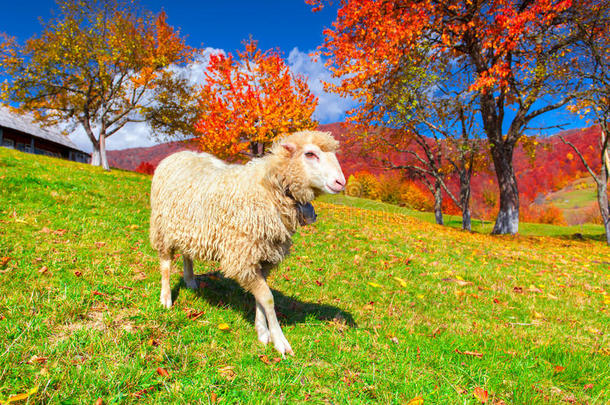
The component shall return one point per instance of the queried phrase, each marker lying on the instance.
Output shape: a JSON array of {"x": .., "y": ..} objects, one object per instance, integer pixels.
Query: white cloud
[{"x": 331, "y": 107}]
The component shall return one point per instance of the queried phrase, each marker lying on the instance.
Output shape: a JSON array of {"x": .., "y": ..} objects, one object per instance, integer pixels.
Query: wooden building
[{"x": 19, "y": 131}]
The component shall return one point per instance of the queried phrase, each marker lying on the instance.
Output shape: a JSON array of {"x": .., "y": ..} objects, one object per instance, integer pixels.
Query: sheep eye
[{"x": 311, "y": 155}]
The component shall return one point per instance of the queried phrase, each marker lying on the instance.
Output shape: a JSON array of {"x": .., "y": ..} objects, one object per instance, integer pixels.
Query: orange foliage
[
  {"x": 389, "y": 188},
  {"x": 370, "y": 39},
  {"x": 548, "y": 214},
  {"x": 249, "y": 101},
  {"x": 146, "y": 168}
]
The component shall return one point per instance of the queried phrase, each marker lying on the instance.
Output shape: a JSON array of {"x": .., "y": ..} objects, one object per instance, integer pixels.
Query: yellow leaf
[
  {"x": 416, "y": 401},
  {"x": 21, "y": 397},
  {"x": 402, "y": 282},
  {"x": 374, "y": 285},
  {"x": 459, "y": 278},
  {"x": 224, "y": 327}
]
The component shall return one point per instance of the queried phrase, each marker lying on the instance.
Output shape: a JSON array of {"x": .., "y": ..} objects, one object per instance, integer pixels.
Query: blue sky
[
  {"x": 217, "y": 26},
  {"x": 221, "y": 26}
]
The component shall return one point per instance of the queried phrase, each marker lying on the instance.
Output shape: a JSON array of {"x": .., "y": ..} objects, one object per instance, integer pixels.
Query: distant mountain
[{"x": 130, "y": 159}]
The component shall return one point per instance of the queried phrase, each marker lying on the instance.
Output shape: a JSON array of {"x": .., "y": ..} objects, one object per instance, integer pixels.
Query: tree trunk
[
  {"x": 257, "y": 149},
  {"x": 98, "y": 157},
  {"x": 103, "y": 157},
  {"x": 602, "y": 200},
  {"x": 95, "y": 156},
  {"x": 465, "y": 200},
  {"x": 438, "y": 203},
  {"x": 507, "y": 221}
]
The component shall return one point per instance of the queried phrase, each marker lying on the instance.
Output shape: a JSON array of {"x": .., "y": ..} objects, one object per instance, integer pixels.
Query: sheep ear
[{"x": 290, "y": 147}]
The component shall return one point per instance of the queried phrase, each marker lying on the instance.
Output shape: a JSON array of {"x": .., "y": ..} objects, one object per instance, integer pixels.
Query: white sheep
[{"x": 242, "y": 216}]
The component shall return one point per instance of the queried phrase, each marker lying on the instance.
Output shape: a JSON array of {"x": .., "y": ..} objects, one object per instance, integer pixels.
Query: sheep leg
[
  {"x": 187, "y": 274},
  {"x": 260, "y": 324},
  {"x": 264, "y": 298},
  {"x": 166, "y": 292}
]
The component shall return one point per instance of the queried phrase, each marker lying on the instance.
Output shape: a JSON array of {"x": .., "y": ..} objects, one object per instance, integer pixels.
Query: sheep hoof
[
  {"x": 282, "y": 346},
  {"x": 166, "y": 300},
  {"x": 192, "y": 284},
  {"x": 264, "y": 336}
]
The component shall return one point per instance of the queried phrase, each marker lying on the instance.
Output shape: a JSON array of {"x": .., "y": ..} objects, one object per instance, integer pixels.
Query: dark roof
[{"x": 26, "y": 123}]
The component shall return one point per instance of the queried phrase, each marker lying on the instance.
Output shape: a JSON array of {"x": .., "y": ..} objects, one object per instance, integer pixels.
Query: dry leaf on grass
[
  {"x": 480, "y": 394},
  {"x": 227, "y": 372},
  {"x": 468, "y": 353},
  {"x": 416, "y": 401},
  {"x": 162, "y": 372}
]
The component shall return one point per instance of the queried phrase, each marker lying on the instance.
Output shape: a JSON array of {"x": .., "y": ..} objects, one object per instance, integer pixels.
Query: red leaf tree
[
  {"x": 508, "y": 54},
  {"x": 248, "y": 101}
]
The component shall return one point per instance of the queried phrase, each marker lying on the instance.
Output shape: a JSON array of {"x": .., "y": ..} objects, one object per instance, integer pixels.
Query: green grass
[
  {"x": 580, "y": 193},
  {"x": 80, "y": 317},
  {"x": 587, "y": 231}
]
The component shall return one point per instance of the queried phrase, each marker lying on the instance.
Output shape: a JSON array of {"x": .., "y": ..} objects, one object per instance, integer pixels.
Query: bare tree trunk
[
  {"x": 465, "y": 200},
  {"x": 602, "y": 200},
  {"x": 95, "y": 156},
  {"x": 98, "y": 157},
  {"x": 507, "y": 221},
  {"x": 438, "y": 203},
  {"x": 103, "y": 157}
]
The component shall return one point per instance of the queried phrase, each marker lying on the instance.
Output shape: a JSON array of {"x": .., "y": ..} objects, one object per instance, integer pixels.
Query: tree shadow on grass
[{"x": 226, "y": 293}]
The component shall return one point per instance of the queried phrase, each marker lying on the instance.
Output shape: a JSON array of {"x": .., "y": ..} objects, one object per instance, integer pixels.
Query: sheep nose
[{"x": 340, "y": 183}]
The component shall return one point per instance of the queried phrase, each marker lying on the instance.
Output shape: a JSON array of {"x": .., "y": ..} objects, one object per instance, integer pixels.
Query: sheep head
[{"x": 310, "y": 165}]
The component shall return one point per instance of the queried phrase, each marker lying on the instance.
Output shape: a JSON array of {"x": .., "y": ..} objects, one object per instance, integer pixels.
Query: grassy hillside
[{"x": 378, "y": 306}]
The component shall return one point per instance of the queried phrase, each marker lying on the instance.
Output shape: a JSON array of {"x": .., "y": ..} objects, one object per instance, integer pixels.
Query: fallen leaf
[
  {"x": 99, "y": 401},
  {"x": 78, "y": 273},
  {"x": 21, "y": 397},
  {"x": 401, "y": 282},
  {"x": 213, "y": 398},
  {"x": 227, "y": 372},
  {"x": 416, "y": 401},
  {"x": 558, "y": 369},
  {"x": 394, "y": 340},
  {"x": 37, "y": 360},
  {"x": 319, "y": 283},
  {"x": 266, "y": 360},
  {"x": 4, "y": 260},
  {"x": 162, "y": 372},
  {"x": 193, "y": 314},
  {"x": 468, "y": 353},
  {"x": 588, "y": 386},
  {"x": 99, "y": 244},
  {"x": 518, "y": 290},
  {"x": 224, "y": 327},
  {"x": 43, "y": 269},
  {"x": 134, "y": 226},
  {"x": 460, "y": 390},
  {"x": 374, "y": 285},
  {"x": 480, "y": 394},
  {"x": 458, "y": 280},
  {"x": 141, "y": 393}
]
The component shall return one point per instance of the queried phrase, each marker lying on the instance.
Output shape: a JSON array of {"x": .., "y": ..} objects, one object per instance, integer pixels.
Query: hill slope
[
  {"x": 379, "y": 307},
  {"x": 544, "y": 168}
]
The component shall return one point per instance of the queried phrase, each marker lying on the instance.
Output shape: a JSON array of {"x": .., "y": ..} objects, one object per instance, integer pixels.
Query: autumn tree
[
  {"x": 249, "y": 100},
  {"x": 512, "y": 51},
  {"x": 98, "y": 65},
  {"x": 592, "y": 66}
]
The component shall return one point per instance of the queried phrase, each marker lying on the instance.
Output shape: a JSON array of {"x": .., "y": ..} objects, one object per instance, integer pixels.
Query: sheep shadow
[{"x": 226, "y": 293}]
